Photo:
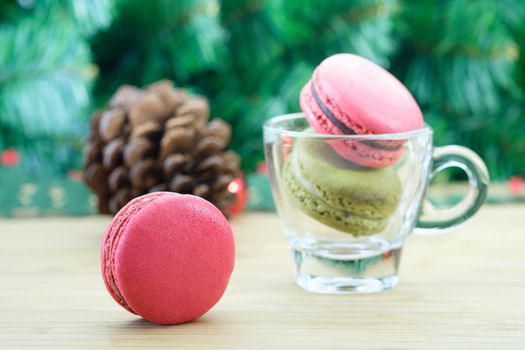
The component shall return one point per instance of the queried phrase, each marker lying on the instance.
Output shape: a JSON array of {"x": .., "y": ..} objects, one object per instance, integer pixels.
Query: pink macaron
[
  {"x": 351, "y": 95},
  {"x": 168, "y": 257}
]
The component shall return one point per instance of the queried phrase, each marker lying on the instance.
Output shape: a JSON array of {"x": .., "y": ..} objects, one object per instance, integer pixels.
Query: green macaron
[{"x": 334, "y": 191}]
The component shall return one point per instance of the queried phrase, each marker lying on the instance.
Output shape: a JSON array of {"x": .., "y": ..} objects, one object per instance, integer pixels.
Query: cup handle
[{"x": 434, "y": 220}]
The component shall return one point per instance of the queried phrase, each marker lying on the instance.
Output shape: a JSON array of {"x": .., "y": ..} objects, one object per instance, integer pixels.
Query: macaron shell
[
  {"x": 174, "y": 259},
  {"x": 360, "y": 153},
  {"x": 373, "y": 194},
  {"x": 111, "y": 240},
  {"x": 330, "y": 189},
  {"x": 356, "y": 151},
  {"x": 351, "y": 95},
  {"x": 313, "y": 113},
  {"x": 316, "y": 207},
  {"x": 366, "y": 95}
]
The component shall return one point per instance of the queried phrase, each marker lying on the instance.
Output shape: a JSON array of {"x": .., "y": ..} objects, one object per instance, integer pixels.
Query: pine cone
[{"x": 158, "y": 139}]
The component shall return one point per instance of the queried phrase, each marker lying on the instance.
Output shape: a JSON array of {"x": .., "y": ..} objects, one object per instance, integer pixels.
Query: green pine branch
[
  {"x": 459, "y": 55},
  {"x": 177, "y": 40},
  {"x": 45, "y": 78},
  {"x": 459, "y": 59},
  {"x": 462, "y": 59},
  {"x": 42, "y": 87}
]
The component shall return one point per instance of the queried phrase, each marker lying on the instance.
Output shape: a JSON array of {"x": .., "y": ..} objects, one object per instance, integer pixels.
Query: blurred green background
[{"x": 60, "y": 60}]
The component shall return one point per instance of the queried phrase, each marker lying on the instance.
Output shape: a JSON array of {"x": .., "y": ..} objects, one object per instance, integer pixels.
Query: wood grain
[{"x": 464, "y": 290}]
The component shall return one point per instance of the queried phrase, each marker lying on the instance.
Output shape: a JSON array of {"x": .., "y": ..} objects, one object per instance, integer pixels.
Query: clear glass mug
[{"x": 346, "y": 224}]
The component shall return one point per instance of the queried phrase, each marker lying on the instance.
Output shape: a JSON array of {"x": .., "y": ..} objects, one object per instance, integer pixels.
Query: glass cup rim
[{"x": 270, "y": 126}]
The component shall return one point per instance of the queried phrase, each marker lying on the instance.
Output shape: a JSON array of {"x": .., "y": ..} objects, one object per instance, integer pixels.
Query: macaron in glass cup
[{"x": 346, "y": 223}]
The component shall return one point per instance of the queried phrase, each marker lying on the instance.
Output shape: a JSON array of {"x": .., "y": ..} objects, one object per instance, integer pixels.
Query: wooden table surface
[{"x": 464, "y": 290}]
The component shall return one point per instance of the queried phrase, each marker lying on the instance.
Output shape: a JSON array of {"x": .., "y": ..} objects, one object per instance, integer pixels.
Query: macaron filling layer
[
  {"x": 111, "y": 244},
  {"x": 343, "y": 127}
]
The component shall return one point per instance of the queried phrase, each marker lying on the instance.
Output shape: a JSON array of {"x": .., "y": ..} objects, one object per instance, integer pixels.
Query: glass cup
[{"x": 347, "y": 203}]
